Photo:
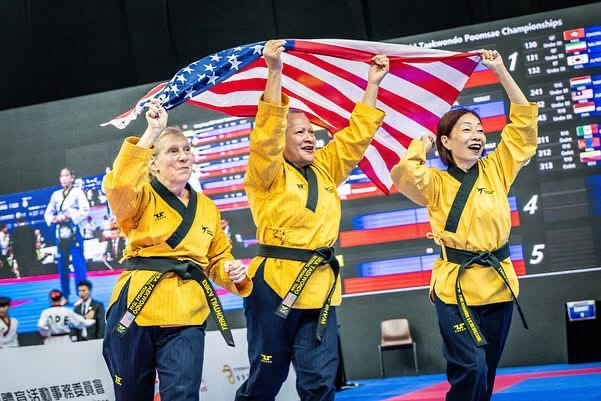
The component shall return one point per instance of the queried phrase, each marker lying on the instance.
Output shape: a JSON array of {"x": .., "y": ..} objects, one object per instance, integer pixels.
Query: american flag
[{"x": 325, "y": 78}]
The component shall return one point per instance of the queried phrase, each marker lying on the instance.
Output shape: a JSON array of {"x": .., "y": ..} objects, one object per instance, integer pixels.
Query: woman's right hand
[
  {"x": 272, "y": 52},
  {"x": 429, "y": 140},
  {"x": 156, "y": 116}
]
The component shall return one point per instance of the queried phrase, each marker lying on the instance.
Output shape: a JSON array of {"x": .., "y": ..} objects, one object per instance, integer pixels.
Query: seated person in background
[{"x": 55, "y": 322}]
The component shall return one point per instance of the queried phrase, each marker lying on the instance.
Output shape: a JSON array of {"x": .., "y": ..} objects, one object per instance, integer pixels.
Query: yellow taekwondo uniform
[
  {"x": 486, "y": 220},
  {"x": 149, "y": 218},
  {"x": 278, "y": 196}
]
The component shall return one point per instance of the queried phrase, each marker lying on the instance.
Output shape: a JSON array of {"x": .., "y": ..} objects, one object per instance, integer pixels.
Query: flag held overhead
[{"x": 325, "y": 78}]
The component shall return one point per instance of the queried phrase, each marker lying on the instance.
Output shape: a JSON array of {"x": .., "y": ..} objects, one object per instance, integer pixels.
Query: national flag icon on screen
[
  {"x": 580, "y": 81},
  {"x": 592, "y": 156},
  {"x": 582, "y": 94},
  {"x": 578, "y": 59},
  {"x": 587, "y": 130},
  {"x": 572, "y": 47},
  {"x": 586, "y": 107},
  {"x": 589, "y": 143},
  {"x": 573, "y": 34}
]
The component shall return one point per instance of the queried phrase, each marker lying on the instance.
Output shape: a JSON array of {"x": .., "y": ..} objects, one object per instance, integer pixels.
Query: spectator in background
[
  {"x": 55, "y": 322},
  {"x": 23, "y": 245},
  {"x": 8, "y": 325},
  {"x": 67, "y": 210},
  {"x": 4, "y": 241},
  {"x": 89, "y": 308},
  {"x": 89, "y": 228},
  {"x": 114, "y": 247}
]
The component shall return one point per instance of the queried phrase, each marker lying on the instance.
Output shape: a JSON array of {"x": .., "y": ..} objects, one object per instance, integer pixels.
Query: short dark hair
[
  {"x": 21, "y": 220},
  {"x": 86, "y": 283},
  {"x": 4, "y": 301},
  {"x": 55, "y": 295},
  {"x": 445, "y": 126},
  {"x": 69, "y": 169}
]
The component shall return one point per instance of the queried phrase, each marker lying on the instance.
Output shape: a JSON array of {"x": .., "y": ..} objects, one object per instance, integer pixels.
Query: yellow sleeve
[
  {"x": 267, "y": 142},
  {"x": 220, "y": 252},
  {"x": 124, "y": 185},
  {"x": 348, "y": 146},
  {"x": 414, "y": 179},
  {"x": 518, "y": 142}
]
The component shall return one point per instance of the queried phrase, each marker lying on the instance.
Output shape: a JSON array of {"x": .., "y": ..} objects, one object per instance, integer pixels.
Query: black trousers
[
  {"x": 274, "y": 342},
  {"x": 174, "y": 353},
  {"x": 471, "y": 370}
]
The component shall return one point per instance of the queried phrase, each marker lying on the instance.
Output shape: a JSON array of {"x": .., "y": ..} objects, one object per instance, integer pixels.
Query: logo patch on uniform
[
  {"x": 266, "y": 358},
  {"x": 117, "y": 380},
  {"x": 329, "y": 189},
  {"x": 300, "y": 186},
  {"x": 159, "y": 216},
  {"x": 483, "y": 190},
  {"x": 206, "y": 230},
  {"x": 459, "y": 327}
]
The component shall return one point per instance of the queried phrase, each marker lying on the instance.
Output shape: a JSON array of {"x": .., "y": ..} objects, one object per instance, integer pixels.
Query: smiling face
[
  {"x": 463, "y": 144},
  {"x": 172, "y": 160},
  {"x": 300, "y": 140}
]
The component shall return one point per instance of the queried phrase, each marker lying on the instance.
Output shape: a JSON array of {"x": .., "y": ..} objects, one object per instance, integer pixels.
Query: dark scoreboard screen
[{"x": 555, "y": 202}]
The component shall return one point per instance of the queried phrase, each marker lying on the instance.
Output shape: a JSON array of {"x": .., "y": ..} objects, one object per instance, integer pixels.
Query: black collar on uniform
[
  {"x": 187, "y": 213},
  {"x": 309, "y": 175}
]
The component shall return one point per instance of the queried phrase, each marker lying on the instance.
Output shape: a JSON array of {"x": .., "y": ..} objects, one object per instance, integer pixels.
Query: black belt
[
  {"x": 186, "y": 270},
  {"x": 465, "y": 259},
  {"x": 312, "y": 259}
]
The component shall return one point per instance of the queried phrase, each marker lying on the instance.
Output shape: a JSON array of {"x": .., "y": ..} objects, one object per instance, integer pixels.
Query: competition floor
[{"x": 581, "y": 382}]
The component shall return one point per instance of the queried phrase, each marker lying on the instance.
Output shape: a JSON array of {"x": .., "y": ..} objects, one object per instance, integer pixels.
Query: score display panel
[{"x": 555, "y": 202}]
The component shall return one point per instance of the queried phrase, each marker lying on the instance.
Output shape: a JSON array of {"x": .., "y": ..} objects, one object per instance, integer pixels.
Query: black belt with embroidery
[
  {"x": 465, "y": 259},
  {"x": 312, "y": 259},
  {"x": 186, "y": 270}
]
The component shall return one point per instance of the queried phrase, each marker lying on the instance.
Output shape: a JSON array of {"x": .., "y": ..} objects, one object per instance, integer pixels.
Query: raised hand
[
  {"x": 156, "y": 116},
  {"x": 492, "y": 59},
  {"x": 380, "y": 66},
  {"x": 429, "y": 140},
  {"x": 272, "y": 52}
]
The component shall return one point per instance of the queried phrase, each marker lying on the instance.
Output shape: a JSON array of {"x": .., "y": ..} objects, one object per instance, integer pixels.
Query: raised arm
[
  {"x": 124, "y": 184},
  {"x": 519, "y": 138},
  {"x": 413, "y": 178},
  {"x": 272, "y": 52},
  {"x": 380, "y": 65},
  {"x": 268, "y": 139},
  {"x": 494, "y": 62}
]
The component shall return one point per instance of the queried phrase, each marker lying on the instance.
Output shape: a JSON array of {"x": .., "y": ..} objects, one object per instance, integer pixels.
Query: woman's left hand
[
  {"x": 236, "y": 270},
  {"x": 491, "y": 59},
  {"x": 380, "y": 65}
]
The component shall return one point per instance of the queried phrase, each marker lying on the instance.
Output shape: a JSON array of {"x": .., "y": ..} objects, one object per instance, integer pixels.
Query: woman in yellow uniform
[
  {"x": 473, "y": 282},
  {"x": 157, "y": 315},
  {"x": 292, "y": 191}
]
